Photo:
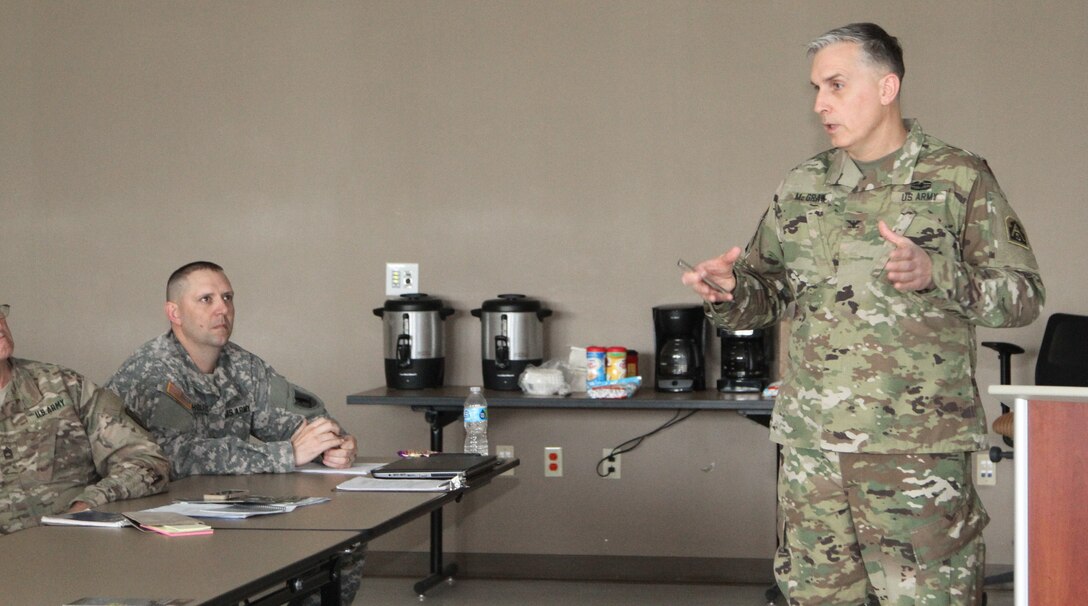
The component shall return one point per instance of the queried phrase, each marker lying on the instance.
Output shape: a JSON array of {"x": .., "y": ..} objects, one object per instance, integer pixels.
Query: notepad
[{"x": 169, "y": 524}]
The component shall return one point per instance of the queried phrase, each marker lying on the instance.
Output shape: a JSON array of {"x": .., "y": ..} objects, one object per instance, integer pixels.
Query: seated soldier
[
  {"x": 203, "y": 397},
  {"x": 65, "y": 444}
]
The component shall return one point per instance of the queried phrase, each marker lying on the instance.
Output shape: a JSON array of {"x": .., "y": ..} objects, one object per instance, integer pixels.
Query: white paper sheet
[
  {"x": 358, "y": 469},
  {"x": 367, "y": 484}
]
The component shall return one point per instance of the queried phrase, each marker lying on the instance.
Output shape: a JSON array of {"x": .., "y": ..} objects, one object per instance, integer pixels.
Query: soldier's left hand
[
  {"x": 343, "y": 456},
  {"x": 908, "y": 267}
]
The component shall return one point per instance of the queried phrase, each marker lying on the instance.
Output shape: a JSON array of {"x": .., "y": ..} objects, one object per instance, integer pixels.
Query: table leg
[
  {"x": 437, "y": 419},
  {"x": 764, "y": 418}
]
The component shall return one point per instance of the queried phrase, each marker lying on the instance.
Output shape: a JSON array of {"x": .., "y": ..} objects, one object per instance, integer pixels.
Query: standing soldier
[{"x": 885, "y": 253}]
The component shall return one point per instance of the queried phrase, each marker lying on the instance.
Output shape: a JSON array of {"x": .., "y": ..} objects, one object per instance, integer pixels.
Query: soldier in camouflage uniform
[
  {"x": 883, "y": 254},
  {"x": 65, "y": 444},
  {"x": 203, "y": 397}
]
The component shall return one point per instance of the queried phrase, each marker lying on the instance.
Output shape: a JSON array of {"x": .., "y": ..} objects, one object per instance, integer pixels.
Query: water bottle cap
[{"x": 474, "y": 390}]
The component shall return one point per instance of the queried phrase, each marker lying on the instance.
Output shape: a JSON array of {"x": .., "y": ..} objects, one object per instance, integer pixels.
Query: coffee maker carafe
[
  {"x": 746, "y": 357},
  {"x": 680, "y": 335}
]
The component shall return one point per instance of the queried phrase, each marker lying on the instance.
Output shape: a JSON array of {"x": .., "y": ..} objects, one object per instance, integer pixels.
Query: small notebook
[
  {"x": 87, "y": 517},
  {"x": 438, "y": 466},
  {"x": 170, "y": 524}
]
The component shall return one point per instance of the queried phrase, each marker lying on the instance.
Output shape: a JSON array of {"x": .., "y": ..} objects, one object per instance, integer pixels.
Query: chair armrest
[
  {"x": 1002, "y": 348},
  {"x": 1005, "y": 351}
]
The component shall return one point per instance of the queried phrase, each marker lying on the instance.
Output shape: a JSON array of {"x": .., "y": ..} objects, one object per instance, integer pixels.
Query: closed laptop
[{"x": 437, "y": 466}]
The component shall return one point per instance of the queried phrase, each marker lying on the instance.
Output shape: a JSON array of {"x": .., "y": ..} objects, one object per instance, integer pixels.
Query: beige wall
[{"x": 567, "y": 150}]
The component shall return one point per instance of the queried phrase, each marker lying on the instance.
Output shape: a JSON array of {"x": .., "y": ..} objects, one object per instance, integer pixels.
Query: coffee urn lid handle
[
  {"x": 445, "y": 312},
  {"x": 477, "y": 312},
  {"x": 378, "y": 311},
  {"x": 543, "y": 313}
]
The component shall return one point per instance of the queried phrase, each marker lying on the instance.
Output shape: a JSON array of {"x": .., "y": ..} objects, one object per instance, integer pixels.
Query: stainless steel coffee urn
[
  {"x": 414, "y": 341},
  {"x": 512, "y": 338}
]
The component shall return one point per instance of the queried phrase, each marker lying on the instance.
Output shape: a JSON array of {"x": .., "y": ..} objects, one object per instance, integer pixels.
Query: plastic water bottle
[{"x": 475, "y": 422}]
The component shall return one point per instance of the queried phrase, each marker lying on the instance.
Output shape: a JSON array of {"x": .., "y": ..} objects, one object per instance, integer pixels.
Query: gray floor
[{"x": 478, "y": 592}]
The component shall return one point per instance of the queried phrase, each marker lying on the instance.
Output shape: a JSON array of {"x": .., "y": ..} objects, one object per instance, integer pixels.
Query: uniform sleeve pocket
[{"x": 166, "y": 413}]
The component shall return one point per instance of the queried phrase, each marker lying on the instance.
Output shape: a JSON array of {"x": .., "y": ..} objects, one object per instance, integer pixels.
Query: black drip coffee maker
[
  {"x": 680, "y": 333},
  {"x": 746, "y": 356}
]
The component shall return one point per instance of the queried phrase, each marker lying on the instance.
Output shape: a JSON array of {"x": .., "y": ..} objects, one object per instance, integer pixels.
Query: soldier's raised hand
[{"x": 718, "y": 270}]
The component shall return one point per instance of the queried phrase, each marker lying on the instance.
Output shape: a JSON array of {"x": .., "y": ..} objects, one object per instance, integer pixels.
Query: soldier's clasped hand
[{"x": 908, "y": 267}]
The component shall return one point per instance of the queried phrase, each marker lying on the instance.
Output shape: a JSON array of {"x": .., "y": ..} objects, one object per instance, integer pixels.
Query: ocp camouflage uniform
[
  {"x": 62, "y": 440},
  {"x": 204, "y": 421},
  {"x": 872, "y": 371}
]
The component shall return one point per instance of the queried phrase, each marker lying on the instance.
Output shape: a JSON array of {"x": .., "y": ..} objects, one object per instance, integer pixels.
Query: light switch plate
[{"x": 401, "y": 279}]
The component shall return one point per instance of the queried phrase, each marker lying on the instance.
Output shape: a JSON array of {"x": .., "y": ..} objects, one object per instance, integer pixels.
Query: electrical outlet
[
  {"x": 985, "y": 470},
  {"x": 553, "y": 462},
  {"x": 401, "y": 278},
  {"x": 506, "y": 452},
  {"x": 611, "y": 467}
]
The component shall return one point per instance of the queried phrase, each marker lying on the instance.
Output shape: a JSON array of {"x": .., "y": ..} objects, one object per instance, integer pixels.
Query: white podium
[{"x": 1051, "y": 459}]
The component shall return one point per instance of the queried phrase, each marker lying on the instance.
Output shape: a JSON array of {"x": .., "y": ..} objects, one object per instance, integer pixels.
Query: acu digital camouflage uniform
[
  {"x": 62, "y": 440},
  {"x": 203, "y": 421},
  {"x": 873, "y": 371}
]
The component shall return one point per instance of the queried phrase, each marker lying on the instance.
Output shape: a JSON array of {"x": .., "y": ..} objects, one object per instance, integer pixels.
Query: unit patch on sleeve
[{"x": 1016, "y": 233}]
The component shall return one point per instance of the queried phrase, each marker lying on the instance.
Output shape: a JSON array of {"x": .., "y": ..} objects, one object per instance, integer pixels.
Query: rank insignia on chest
[{"x": 1016, "y": 232}]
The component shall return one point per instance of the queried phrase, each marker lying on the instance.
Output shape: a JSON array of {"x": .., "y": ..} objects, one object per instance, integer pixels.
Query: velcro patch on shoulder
[
  {"x": 178, "y": 395},
  {"x": 1016, "y": 233}
]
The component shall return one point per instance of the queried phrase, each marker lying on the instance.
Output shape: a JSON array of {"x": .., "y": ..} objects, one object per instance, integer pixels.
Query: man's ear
[
  {"x": 172, "y": 313},
  {"x": 889, "y": 89}
]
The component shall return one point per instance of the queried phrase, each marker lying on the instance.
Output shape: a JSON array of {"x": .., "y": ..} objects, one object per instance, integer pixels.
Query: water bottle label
[{"x": 475, "y": 414}]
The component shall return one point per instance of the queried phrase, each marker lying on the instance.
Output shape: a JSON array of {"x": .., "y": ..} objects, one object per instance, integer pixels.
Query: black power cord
[{"x": 634, "y": 443}]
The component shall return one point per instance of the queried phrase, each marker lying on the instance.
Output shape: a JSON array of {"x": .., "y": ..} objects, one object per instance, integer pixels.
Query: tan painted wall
[{"x": 567, "y": 150}]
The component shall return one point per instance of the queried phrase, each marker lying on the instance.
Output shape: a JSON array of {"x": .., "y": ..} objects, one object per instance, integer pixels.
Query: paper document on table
[
  {"x": 371, "y": 484},
  {"x": 358, "y": 469},
  {"x": 99, "y": 601},
  {"x": 232, "y": 511}
]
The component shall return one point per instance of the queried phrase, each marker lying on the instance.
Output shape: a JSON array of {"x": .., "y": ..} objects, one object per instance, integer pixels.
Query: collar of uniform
[
  {"x": 213, "y": 382},
  {"x": 843, "y": 171},
  {"x": 23, "y": 387},
  {"x": 224, "y": 353}
]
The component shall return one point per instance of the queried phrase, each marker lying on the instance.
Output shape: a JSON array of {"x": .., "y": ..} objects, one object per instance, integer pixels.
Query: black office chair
[{"x": 1063, "y": 360}]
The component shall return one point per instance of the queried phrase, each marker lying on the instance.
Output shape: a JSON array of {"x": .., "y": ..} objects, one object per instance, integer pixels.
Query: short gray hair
[{"x": 877, "y": 46}]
